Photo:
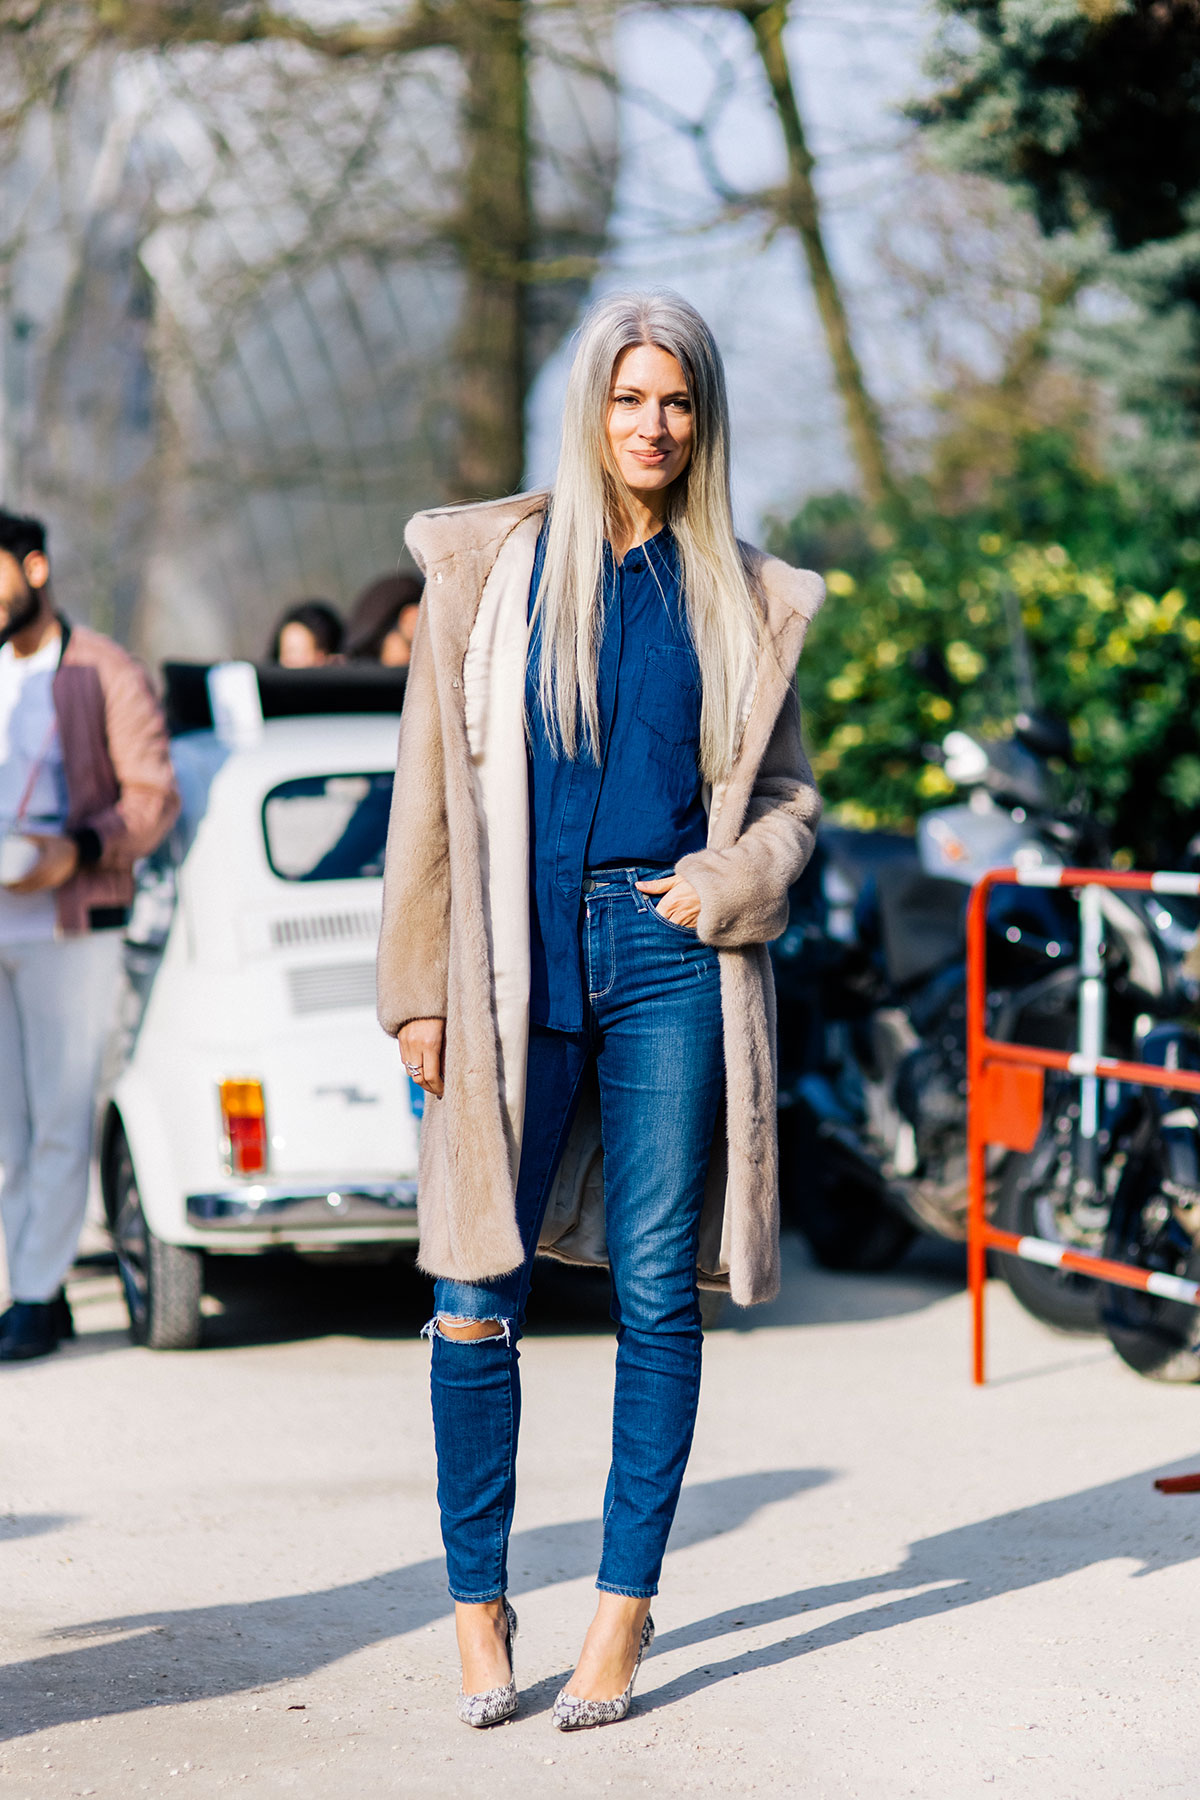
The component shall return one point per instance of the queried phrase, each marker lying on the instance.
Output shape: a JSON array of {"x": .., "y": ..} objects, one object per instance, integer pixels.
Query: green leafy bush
[{"x": 1106, "y": 591}]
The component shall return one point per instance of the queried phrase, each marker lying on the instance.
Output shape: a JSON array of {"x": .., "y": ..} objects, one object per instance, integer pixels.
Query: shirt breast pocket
[{"x": 668, "y": 703}]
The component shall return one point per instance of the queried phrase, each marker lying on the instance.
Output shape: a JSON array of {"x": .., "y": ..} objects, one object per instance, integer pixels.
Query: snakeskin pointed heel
[
  {"x": 498, "y": 1703},
  {"x": 571, "y": 1714}
]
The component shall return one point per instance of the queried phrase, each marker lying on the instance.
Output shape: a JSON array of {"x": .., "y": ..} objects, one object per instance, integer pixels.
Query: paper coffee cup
[{"x": 18, "y": 855}]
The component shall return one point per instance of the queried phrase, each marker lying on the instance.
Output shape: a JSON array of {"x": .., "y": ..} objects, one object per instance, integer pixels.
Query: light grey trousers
[{"x": 57, "y": 1000}]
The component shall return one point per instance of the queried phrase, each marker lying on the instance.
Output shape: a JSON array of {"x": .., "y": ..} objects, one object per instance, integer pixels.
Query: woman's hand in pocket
[
  {"x": 422, "y": 1043},
  {"x": 680, "y": 902}
]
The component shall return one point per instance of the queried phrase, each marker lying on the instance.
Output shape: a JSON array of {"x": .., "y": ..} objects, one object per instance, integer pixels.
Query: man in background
[{"x": 86, "y": 788}]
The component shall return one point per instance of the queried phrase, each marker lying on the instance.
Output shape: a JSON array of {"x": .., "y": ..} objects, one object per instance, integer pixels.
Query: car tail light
[{"x": 244, "y": 1117}]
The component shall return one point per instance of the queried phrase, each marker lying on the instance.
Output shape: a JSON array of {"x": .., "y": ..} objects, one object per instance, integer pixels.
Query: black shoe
[
  {"x": 31, "y": 1331},
  {"x": 64, "y": 1319}
]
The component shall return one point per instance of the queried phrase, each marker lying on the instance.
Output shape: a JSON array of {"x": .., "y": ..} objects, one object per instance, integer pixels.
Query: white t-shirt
[{"x": 29, "y": 741}]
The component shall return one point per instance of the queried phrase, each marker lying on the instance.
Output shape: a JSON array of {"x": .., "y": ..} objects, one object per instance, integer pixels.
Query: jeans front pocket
[{"x": 687, "y": 931}]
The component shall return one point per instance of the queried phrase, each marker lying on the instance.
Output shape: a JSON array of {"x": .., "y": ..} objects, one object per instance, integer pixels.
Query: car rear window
[{"x": 328, "y": 827}]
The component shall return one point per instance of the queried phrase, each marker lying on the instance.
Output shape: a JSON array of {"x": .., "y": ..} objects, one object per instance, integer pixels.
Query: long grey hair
[{"x": 590, "y": 502}]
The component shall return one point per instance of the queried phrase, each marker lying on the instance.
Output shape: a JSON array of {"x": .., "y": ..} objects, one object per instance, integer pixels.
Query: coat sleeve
[
  {"x": 147, "y": 801},
  {"x": 744, "y": 890},
  {"x": 414, "y": 942}
]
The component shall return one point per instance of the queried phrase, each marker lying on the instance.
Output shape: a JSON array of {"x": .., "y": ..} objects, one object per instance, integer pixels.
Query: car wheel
[{"x": 162, "y": 1282}]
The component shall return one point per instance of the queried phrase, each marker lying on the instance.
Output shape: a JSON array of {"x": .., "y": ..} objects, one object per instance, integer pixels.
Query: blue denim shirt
[{"x": 640, "y": 804}]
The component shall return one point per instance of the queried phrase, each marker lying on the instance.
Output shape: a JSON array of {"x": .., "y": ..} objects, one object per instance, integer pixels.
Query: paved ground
[{"x": 220, "y": 1572}]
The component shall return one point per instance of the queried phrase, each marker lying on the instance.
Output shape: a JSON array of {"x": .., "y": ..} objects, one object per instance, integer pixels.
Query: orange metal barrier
[{"x": 1005, "y": 1083}]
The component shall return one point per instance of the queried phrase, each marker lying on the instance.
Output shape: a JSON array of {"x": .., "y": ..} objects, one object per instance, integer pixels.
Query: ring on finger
[{"x": 413, "y": 1068}]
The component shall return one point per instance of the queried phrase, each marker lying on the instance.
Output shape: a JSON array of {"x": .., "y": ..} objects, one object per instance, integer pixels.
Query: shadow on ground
[
  {"x": 27, "y": 1525},
  {"x": 126, "y": 1664},
  {"x": 930, "y": 1271},
  {"x": 1118, "y": 1521},
  {"x": 281, "y": 1298}
]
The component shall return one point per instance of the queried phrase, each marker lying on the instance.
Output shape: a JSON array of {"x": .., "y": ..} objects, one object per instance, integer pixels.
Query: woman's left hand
[{"x": 680, "y": 902}]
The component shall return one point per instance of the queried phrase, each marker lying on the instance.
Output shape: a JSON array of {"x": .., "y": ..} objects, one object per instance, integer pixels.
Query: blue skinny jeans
[{"x": 653, "y": 1026}]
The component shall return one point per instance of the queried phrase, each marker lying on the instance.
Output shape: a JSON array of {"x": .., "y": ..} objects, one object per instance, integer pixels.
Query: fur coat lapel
[{"x": 437, "y": 955}]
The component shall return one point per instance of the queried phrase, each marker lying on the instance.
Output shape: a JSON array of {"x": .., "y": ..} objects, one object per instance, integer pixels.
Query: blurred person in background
[
  {"x": 307, "y": 636},
  {"x": 601, "y": 801},
  {"x": 383, "y": 621},
  {"x": 86, "y": 788}
]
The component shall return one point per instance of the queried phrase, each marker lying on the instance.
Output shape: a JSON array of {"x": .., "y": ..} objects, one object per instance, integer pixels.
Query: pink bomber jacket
[{"x": 121, "y": 793}]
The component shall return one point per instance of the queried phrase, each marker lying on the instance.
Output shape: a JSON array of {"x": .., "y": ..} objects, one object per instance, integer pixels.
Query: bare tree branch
[
  {"x": 160, "y": 24},
  {"x": 800, "y": 207}
]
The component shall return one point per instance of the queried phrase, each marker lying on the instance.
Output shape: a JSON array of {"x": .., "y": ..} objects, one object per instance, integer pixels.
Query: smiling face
[{"x": 649, "y": 422}]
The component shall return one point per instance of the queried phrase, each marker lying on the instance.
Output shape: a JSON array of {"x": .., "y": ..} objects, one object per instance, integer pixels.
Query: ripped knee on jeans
[{"x": 467, "y": 1331}]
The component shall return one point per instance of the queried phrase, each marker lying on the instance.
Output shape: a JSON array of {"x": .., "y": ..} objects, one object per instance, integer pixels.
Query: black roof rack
[{"x": 285, "y": 693}]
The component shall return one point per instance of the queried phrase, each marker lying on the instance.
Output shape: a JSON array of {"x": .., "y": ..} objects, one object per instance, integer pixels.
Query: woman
[
  {"x": 308, "y": 636},
  {"x": 600, "y": 803},
  {"x": 383, "y": 622}
]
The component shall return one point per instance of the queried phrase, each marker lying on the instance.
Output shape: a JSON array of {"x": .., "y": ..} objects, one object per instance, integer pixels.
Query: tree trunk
[
  {"x": 800, "y": 208},
  {"x": 490, "y": 368}
]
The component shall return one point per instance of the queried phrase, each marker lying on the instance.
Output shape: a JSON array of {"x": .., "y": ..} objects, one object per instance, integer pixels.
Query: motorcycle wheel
[
  {"x": 1033, "y": 1201},
  {"x": 1156, "y": 1338},
  {"x": 849, "y": 1226}
]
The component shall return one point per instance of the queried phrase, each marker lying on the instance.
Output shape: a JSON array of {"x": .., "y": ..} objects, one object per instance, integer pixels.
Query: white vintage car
[{"x": 254, "y": 1100}]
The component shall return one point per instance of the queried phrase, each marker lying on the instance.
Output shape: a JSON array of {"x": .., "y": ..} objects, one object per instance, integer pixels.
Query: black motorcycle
[
  {"x": 871, "y": 978},
  {"x": 1155, "y": 1218}
]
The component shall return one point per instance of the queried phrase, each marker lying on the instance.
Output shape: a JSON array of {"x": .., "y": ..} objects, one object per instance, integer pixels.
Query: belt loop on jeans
[{"x": 613, "y": 878}]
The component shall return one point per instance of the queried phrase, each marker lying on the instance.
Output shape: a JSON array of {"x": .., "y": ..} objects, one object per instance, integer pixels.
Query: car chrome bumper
[{"x": 257, "y": 1205}]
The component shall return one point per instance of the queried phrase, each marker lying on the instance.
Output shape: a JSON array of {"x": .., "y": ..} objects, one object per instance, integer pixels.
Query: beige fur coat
[{"x": 455, "y": 938}]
